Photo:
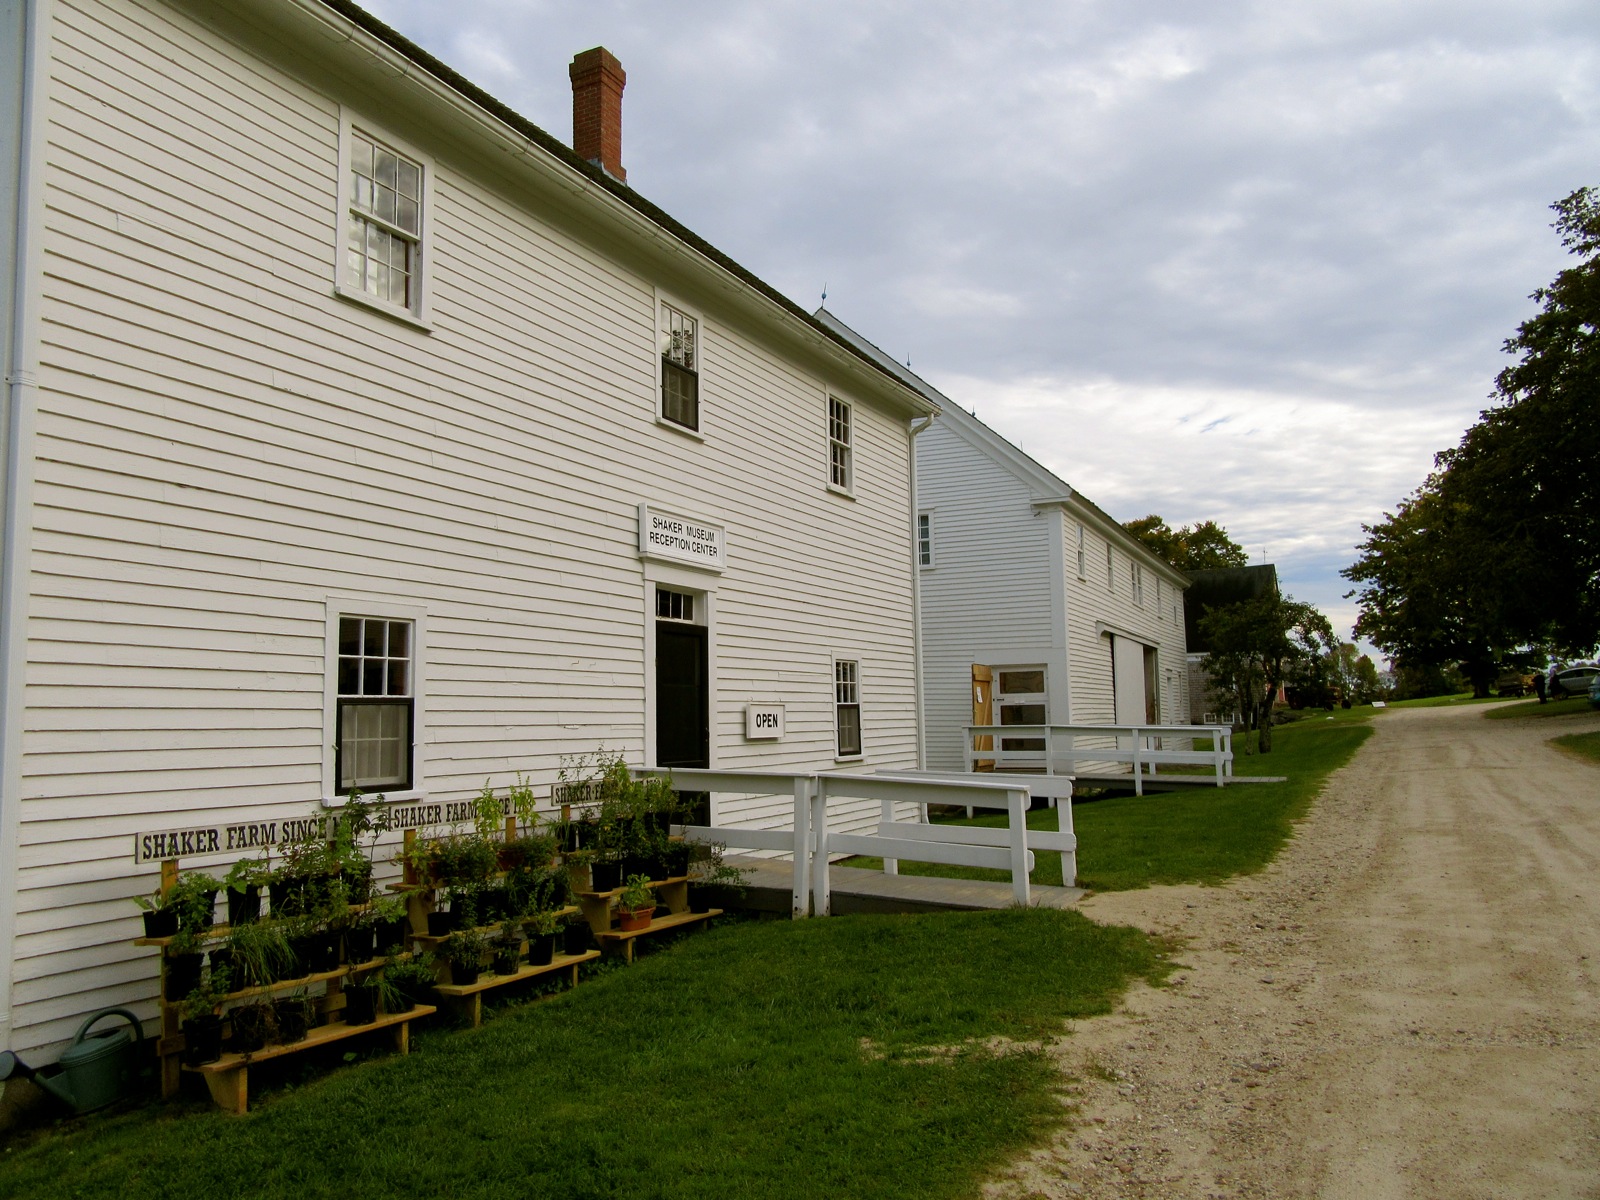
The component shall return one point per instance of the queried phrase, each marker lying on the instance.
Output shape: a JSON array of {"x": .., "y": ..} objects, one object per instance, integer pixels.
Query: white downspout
[
  {"x": 915, "y": 427},
  {"x": 22, "y": 385}
]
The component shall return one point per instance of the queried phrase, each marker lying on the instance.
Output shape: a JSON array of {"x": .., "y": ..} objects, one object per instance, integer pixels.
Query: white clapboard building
[
  {"x": 1036, "y": 606},
  {"x": 360, "y": 433}
]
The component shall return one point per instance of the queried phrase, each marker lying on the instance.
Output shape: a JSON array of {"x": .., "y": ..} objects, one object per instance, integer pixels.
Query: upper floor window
[
  {"x": 1111, "y": 584},
  {"x": 680, "y": 368},
  {"x": 375, "y": 704},
  {"x": 383, "y": 223},
  {"x": 1083, "y": 557},
  {"x": 925, "y": 539},
  {"x": 1136, "y": 583},
  {"x": 840, "y": 469}
]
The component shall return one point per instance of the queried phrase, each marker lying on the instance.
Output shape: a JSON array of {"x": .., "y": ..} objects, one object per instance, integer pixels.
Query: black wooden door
[{"x": 683, "y": 699}]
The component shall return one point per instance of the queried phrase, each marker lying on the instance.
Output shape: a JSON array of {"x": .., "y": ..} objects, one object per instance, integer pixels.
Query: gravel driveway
[{"x": 1403, "y": 1005}]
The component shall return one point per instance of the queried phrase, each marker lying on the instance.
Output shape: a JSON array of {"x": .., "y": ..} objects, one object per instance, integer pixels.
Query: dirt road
[{"x": 1404, "y": 1005}]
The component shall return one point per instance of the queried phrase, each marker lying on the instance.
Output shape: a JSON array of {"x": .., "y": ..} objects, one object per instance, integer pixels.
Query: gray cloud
[{"x": 1248, "y": 261}]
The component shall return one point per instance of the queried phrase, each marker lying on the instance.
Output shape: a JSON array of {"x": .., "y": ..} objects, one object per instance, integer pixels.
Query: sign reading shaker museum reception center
[{"x": 681, "y": 539}]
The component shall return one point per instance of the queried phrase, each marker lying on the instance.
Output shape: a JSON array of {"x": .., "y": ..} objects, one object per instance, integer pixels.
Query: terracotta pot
[{"x": 631, "y": 919}]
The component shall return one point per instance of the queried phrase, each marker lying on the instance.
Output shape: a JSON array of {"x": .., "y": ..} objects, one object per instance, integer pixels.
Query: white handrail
[{"x": 1143, "y": 749}]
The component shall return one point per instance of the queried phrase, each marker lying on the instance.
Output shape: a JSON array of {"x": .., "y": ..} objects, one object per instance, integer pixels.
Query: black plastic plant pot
[
  {"x": 633, "y": 864},
  {"x": 394, "y": 935},
  {"x": 288, "y": 895},
  {"x": 183, "y": 975},
  {"x": 360, "y": 1005},
  {"x": 250, "y": 1025},
  {"x": 360, "y": 943},
  {"x": 607, "y": 876},
  {"x": 160, "y": 923},
  {"x": 404, "y": 1002},
  {"x": 700, "y": 899},
  {"x": 325, "y": 952},
  {"x": 222, "y": 960},
  {"x": 292, "y": 1020},
  {"x": 441, "y": 924},
  {"x": 244, "y": 907},
  {"x": 678, "y": 860},
  {"x": 576, "y": 938},
  {"x": 507, "y": 962},
  {"x": 202, "y": 1040},
  {"x": 542, "y": 949},
  {"x": 464, "y": 976},
  {"x": 303, "y": 948},
  {"x": 660, "y": 868}
]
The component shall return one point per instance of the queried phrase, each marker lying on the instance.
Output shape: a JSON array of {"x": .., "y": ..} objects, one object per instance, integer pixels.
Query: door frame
[{"x": 705, "y": 593}]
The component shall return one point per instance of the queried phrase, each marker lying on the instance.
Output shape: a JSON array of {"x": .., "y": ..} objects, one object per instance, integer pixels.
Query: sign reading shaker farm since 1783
[{"x": 682, "y": 539}]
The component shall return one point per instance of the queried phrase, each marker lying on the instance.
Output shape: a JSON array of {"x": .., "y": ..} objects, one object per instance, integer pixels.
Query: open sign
[{"x": 763, "y": 722}]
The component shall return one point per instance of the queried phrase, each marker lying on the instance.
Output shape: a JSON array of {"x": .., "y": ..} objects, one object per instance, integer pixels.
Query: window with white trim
[
  {"x": 840, "y": 469},
  {"x": 1111, "y": 583},
  {"x": 375, "y": 704},
  {"x": 674, "y": 606},
  {"x": 847, "y": 707},
  {"x": 925, "y": 539},
  {"x": 1160, "y": 612},
  {"x": 1083, "y": 556},
  {"x": 1136, "y": 583},
  {"x": 680, "y": 368},
  {"x": 383, "y": 223}
]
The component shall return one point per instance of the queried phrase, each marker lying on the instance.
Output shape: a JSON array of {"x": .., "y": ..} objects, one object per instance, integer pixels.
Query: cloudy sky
[{"x": 1251, "y": 262}]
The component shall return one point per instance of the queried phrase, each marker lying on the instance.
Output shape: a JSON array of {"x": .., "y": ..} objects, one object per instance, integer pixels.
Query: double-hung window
[
  {"x": 375, "y": 704},
  {"x": 925, "y": 539},
  {"x": 847, "y": 707},
  {"x": 1111, "y": 583},
  {"x": 841, "y": 471},
  {"x": 1136, "y": 583},
  {"x": 1083, "y": 557},
  {"x": 680, "y": 368},
  {"x": 383, "y": 223}
]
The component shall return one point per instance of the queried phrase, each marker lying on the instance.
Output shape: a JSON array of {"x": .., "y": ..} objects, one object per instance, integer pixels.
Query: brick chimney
[{"x": 597, "y": 81}]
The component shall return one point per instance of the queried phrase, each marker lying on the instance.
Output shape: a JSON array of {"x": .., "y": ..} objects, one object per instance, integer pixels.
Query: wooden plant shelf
[
  {"x": 467, "y": 998},
  {"x": 625, "y": 938},
  {"x": 428, "y": 941},
  {"x": 228, "y": 1077},
  {"x": 655, "y": 883}
]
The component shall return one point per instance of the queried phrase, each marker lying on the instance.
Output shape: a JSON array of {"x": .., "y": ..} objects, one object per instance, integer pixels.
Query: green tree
[
  {"x": 1258, "y": 646},
  {"x": 1499, "y": 550},
  {"x": 1203, "y": 546}
]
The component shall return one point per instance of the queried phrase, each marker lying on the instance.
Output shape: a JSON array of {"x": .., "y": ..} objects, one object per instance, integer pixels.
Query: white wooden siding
[{"x": 223, "y": 445}]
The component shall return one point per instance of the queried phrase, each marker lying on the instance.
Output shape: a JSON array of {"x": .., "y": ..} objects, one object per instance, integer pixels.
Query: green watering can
[{"x": 93, "y": 1071}]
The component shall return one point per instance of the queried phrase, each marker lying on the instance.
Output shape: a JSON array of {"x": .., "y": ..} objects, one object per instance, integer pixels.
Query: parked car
[
  {"x": 1575, "y": 681},
  {"x": 1594, "y": 693}
]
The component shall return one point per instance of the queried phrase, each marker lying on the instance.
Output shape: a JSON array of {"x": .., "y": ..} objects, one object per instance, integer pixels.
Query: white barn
[
  {"x": 1035, "y": 606},
  {"x": 357, "y": 431}
]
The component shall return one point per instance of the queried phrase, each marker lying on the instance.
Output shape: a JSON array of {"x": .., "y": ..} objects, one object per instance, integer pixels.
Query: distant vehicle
[
  {"x": 1512, "y": 683},
  {"x": 1594, "y": 693},
  {"x": 1575, "y": 681}
]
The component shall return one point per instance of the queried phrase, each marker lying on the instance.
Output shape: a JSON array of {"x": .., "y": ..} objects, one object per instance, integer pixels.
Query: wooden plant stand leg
[
  {"x": 231, "y": 1089},
  {"x": 402, "y": 1037},
  {"x": 574, "y": 974}
]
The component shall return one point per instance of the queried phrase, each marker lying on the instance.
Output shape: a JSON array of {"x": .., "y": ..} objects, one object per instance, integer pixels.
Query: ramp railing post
[
  {"x": 800, "y": 905},
  {"x": 1017, "y": 807},
  {"x": 891, "y": 866},
  {"x": 1069, "y": 858},
  {"x": 820, "y": 904}
]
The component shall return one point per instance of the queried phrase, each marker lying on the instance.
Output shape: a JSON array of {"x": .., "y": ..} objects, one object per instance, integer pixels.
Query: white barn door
[{"x": 1128, "y": 680}]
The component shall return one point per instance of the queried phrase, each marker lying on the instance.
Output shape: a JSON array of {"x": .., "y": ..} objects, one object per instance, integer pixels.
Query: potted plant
[
  {"x": 252, "y": 1027},
  {"x": 244, "y": 882},
  {"x": 713, "y": 883},
  {"x": 184, "y": 959},
  {"x": 292, "y": 1015},
  {"x": 507, "y": 959},
  {"x": 636, "y": 905},
  {"x": 160, "y": 921},
  {"x": 464, "y": 950},
  {"x": 576, "y": 935},
  {"x": 193, "y": 900},
  {"x": 411, "y": 978},
  {"x": 541, "y": 928},
  {"x": 579, "y": 865},
  {"x": 391, "y": 924},
  {"x": 260, "y": 953},
  {"x": 202, "y": 1024}
]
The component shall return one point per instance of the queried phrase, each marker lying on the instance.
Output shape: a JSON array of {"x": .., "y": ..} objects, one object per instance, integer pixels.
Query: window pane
[
  {"x": 374, "y": 745},
  {"x": 373, "y": 638},
  {"x": 410, "y": 181},
  {"x": 680, "y": 400},
  {"x": 349, "y": 677},
  {"x": 372, "y": 677},
  {"x": 1022, "y": 714},
  {"x": 361, "y": 155},
  {"x": 849, "y": 729},
  {"x": 398, "y": 670},
  {"x": 400, "y": 639},
  {"x": 1025, "y": 682},
  {"x": 349, "y": 634},
  {"x": 405, "y": 215}
]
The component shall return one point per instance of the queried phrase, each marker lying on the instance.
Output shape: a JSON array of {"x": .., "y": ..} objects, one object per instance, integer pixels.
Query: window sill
[
  {"x": 682, "y": 430},
  {"x": 849, "y": 758},
  {"x": 409, "y": 796},
  {"x": 351, "y": 296},
  {"x": 839, "y": 491}
]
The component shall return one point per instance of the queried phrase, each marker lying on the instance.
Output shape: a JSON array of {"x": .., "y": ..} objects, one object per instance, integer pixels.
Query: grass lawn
[
  {"x": 1202, "y": 836},
  {"x": 1532, "y": 708},
  {"x": 1585, "y": 744},
  {"x": 776, "y": 1060}
]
